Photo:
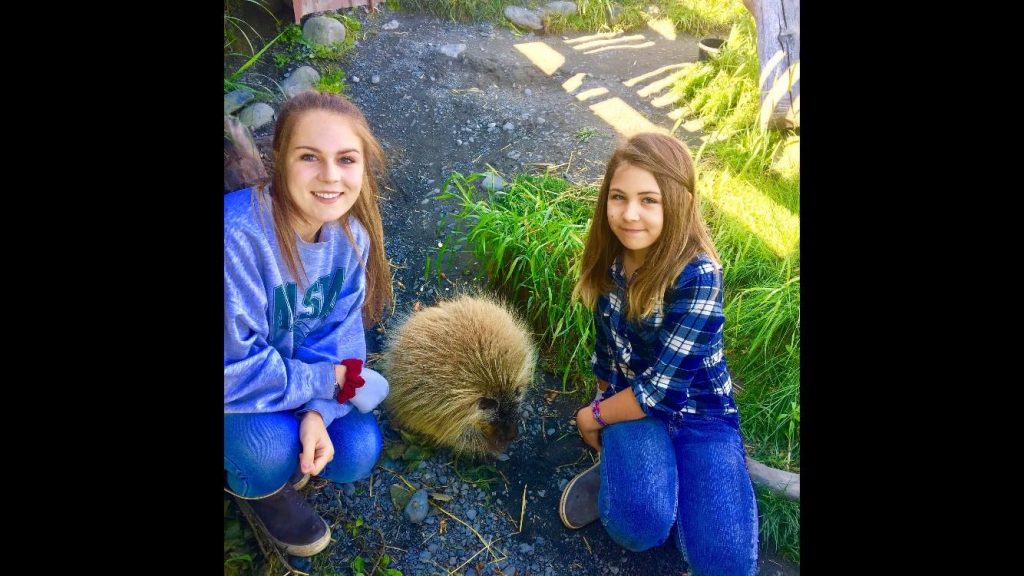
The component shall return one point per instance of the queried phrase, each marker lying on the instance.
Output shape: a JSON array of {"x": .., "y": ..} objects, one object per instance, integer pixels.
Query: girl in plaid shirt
[{"x": 664, "y": 418}]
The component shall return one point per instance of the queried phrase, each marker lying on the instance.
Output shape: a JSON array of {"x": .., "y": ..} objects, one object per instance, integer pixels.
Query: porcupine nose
[{"x": 505, "y": 431}]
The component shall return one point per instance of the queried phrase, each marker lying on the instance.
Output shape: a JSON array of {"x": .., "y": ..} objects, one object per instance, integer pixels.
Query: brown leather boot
[{"x": 290, "y": 522}]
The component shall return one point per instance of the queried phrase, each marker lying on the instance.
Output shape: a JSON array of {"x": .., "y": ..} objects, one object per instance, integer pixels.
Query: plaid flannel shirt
[{"x": 673, "y": 360}]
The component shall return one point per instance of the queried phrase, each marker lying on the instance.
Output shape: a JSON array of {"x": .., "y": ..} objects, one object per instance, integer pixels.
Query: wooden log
[
  {"x": 786, "y": 484},
  {"x": 778, "y": 54},
  {"x": 303, "y": 7}
]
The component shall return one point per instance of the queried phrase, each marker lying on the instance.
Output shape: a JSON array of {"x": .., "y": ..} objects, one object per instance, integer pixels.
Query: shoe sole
[
  {"x": 304, "y": 550},
  {"x": 561, "y": 501}
]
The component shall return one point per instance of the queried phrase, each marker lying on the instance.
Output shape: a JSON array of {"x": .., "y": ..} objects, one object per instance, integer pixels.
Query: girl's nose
[{"x": 330, "y": 173}]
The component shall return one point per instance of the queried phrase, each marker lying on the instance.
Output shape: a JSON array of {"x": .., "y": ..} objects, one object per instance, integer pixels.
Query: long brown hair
[
  {"x": 683, "y": 233},
  {"x": 284, "y": 210}
]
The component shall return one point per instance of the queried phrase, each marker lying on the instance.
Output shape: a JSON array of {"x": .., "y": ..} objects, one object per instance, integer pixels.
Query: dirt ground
[{"x": 492, "y": 105}]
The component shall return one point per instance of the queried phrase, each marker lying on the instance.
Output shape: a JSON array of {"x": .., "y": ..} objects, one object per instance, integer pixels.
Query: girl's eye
[
  {"x": 346, "y": 160},
  {"x": 650, "y": 201},
  {"x": 307, "y": 158}
]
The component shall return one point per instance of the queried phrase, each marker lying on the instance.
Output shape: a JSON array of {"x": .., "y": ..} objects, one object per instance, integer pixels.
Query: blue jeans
[
  {"x": 261, "y": 451},
  {"x": 692, "y": 475}
]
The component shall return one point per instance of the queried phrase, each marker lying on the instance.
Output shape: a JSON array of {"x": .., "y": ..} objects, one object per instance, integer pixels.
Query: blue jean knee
[
  {"x": 357, "y": 446},
  {"x": 637, "y": 498},
  {"x": 717, "y": 526},
  {"x": 260, "y": 452}
]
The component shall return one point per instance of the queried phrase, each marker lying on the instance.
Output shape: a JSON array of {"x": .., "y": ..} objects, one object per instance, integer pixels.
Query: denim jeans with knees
[
  {"x": 261, "y": 451},
  {"x": 692, "y": 475}
]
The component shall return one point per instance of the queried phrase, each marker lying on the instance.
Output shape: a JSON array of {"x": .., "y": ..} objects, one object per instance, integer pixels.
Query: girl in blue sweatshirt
[{"x": 304, "y": 276}]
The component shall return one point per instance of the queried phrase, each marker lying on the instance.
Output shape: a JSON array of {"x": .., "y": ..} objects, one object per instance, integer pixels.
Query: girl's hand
[
  {"x": 317, "y": 449},
  {"x": 589, "y": 429}
]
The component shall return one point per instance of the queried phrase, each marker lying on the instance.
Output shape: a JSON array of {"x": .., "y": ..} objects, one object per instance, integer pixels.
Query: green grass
[
  {"x": 696, "y": 17},
  {"x": 238, "y": 32},
  {"x": 780, "y": 523},
  {"x": 751, "y": 184},
  {"x": 701, "y": 17},
  {"x": 584, "y": 134},
  {"x": 331, "y": 80},
  {"x": 458, "y": 10},
  {"x": 529, "y": 238},
  {"x": 240, "y": 549}
]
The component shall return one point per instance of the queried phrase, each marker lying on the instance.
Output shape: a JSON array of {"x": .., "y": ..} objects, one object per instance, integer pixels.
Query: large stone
[
  {"x": 257, "y": 115},
  {"x": 323, "y": 30},
  {"x": 301, "y": 80},
  {"x": 235, "y": 99},
  {"x": 417, "y": 508},
  {"x": 563, "y": 8},
  {"x": 523, "y": 17}
]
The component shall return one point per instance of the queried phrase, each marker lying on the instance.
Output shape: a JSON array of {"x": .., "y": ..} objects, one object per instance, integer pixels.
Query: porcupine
[{"x": 459, "y": 371}]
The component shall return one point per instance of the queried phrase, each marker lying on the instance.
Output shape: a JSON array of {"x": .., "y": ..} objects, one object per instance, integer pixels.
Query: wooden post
[
  {"x": 778, "y": 54},
  {"x": 303, "y": 7}
]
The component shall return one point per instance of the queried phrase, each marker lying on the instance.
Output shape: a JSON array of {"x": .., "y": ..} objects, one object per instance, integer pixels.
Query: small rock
[
  {"x": 390, "y": 25},
  {"x": 452, "y": 50},
  {"x": 416, "y": 509},
  {"x": 493, "y": 183},
  {"x": 236, "y": 99},
  {"x": 375, "y": 79}
]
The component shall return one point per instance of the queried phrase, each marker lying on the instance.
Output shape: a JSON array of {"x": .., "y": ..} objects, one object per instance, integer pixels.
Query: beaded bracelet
[{"x": 595, "y": 407}]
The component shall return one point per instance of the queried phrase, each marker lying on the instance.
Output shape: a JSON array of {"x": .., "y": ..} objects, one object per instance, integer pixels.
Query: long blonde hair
[
  {"x": 683, "y": 235},
  {"x": 284, "y": 210}
]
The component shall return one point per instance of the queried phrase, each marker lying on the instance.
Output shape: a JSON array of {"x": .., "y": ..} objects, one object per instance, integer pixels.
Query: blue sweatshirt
[{"x": 280, "y": 345}]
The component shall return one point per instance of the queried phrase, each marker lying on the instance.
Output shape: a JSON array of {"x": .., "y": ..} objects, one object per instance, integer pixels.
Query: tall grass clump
[
  {"x": 753, "y": 208},
  {"x": 528, "y": 239},
  {"x": 701, "y": 17},
  {"x": 457, "y": 10}
]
